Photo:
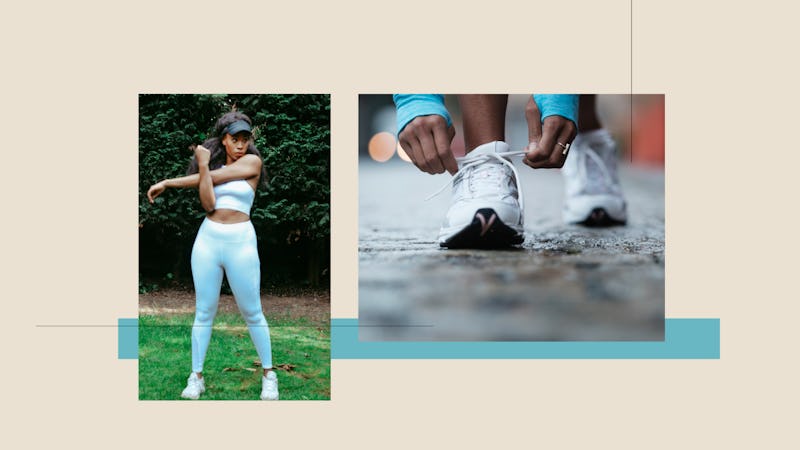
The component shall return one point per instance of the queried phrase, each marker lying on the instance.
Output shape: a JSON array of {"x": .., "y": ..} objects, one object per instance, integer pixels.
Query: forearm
[
  {"x": 205, "y": 187},
  {"x": 247, "y": 167},
  {"x": 189, "y": 181}
]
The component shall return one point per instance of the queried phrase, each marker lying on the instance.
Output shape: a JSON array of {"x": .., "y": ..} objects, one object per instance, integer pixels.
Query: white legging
[{"x": 232, "y": 248}]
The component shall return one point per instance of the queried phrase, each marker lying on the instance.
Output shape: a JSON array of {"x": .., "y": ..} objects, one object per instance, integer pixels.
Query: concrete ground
[{"x": 565, "y": 283}]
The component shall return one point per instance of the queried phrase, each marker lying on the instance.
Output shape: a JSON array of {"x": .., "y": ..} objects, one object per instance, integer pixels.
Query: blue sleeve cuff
[
  {"x": 564, "y": 105},
  {"x": 410, "y": 106}
]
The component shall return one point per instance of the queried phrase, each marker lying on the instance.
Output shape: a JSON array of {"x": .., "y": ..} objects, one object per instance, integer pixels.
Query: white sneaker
[
  {"x": 269, "y": 386},
  {"x": 486, "y": 208},
  {"x": 593, "y": 194},
  {"x": 194, "y": 387}
]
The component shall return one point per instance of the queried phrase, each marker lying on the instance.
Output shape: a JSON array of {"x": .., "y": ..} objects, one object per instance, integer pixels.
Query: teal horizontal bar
[
  {"x": 128, "y": 338},
  {"x": 683, "y": 339}
]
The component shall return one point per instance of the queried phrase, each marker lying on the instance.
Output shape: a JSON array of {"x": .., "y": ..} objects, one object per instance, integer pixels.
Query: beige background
[{"x": 71, "y": 75}]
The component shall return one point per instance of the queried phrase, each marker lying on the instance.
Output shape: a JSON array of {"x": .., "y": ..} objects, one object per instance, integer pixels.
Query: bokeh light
[
  {"x": 402, "y": 153},
  {"x": 382, "y": 146}
]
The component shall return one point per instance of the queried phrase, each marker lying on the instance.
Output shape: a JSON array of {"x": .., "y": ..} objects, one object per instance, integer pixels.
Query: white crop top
[{"x": 237, "y": 195}]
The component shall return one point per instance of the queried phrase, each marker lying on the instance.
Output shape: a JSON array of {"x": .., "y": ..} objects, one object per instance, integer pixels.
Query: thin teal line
[{"x": 683, "y": 339}]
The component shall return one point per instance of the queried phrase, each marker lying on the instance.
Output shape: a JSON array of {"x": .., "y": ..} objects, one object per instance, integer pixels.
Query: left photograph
[{"x": 234, "y": 247}]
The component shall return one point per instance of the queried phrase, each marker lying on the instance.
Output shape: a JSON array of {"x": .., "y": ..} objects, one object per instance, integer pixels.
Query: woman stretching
[{"x": 226, "y": 170}]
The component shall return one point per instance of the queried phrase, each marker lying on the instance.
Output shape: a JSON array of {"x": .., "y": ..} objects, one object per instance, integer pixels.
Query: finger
[
  {"x": 540, "y": 156},
  {"x": 526, "y": 162},
  {"x": 534, "y": 119},
  {"x": 406, "y": 145},
  {"x": 565, "y": 137},
  {"x": 414, "y": 151},
  {"x": 541, "y": 149},
  {"x": 150, "y": 194},
  {"x": 410, "y": 143},
  {"x": 429, "y": 151},
  {"x": 442, "y": 137}
]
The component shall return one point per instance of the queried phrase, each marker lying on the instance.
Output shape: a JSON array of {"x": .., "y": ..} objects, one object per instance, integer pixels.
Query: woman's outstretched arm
[{"x": 246, "y": 167}]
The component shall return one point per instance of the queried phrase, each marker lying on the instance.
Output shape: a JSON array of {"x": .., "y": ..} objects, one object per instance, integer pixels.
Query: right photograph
[{"x": 520, "y": 217}]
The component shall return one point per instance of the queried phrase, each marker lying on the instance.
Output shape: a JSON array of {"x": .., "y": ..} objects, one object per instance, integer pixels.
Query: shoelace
[
  {"x": 609, "y": 180},
  {"x": 471, "y": 161}
]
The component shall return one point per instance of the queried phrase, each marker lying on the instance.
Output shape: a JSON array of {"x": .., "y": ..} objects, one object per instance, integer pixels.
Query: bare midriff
[{"x": 227, "y": 216}]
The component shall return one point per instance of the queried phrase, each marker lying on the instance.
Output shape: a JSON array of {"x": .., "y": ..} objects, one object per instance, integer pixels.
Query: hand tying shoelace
[{"x": 469, "y": 162}]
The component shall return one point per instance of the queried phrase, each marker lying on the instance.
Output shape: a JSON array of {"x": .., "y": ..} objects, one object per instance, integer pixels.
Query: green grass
[{"x": 300, "y": 350}]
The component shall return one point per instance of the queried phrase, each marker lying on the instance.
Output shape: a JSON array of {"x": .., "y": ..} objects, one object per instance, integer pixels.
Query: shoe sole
[
  {"x": 599, "y": 218},
  {"x": 486, "y": 231}
]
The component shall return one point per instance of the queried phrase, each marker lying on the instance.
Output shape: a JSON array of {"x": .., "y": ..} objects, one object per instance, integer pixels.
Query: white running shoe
[
  {"x": 194, "y": 387},
  {"x": 486, "y": 207},
  {"x": 269, "y": 386},
  {"x": 593, "y": 194}
]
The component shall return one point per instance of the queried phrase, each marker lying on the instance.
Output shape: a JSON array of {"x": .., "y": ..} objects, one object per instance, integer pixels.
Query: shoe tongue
[
  {"x": 486, "y": 149},
  {"x": 490, "y": 147}
]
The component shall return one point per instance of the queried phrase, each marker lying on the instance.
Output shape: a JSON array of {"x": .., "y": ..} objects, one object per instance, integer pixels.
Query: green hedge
[{"x": 291, "y": 215}]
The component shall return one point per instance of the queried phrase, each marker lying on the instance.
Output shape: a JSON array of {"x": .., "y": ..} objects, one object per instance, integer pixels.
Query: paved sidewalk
[{"x": 565, "y": 283}]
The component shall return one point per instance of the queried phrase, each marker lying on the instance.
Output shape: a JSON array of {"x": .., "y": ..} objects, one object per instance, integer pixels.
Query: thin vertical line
[{"x": 631, "y": 96}]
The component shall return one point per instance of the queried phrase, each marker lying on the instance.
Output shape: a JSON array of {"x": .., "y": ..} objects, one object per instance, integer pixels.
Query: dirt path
[{"x": 315, "y": 306}]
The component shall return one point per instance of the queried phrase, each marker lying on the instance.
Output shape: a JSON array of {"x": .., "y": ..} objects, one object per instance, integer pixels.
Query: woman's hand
[
  {"x": 156, "y": 190},
  {"x": 202, "y": 155},
  {"x": 548, "y": 141},
  {"x": 426, "y": 140}
]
